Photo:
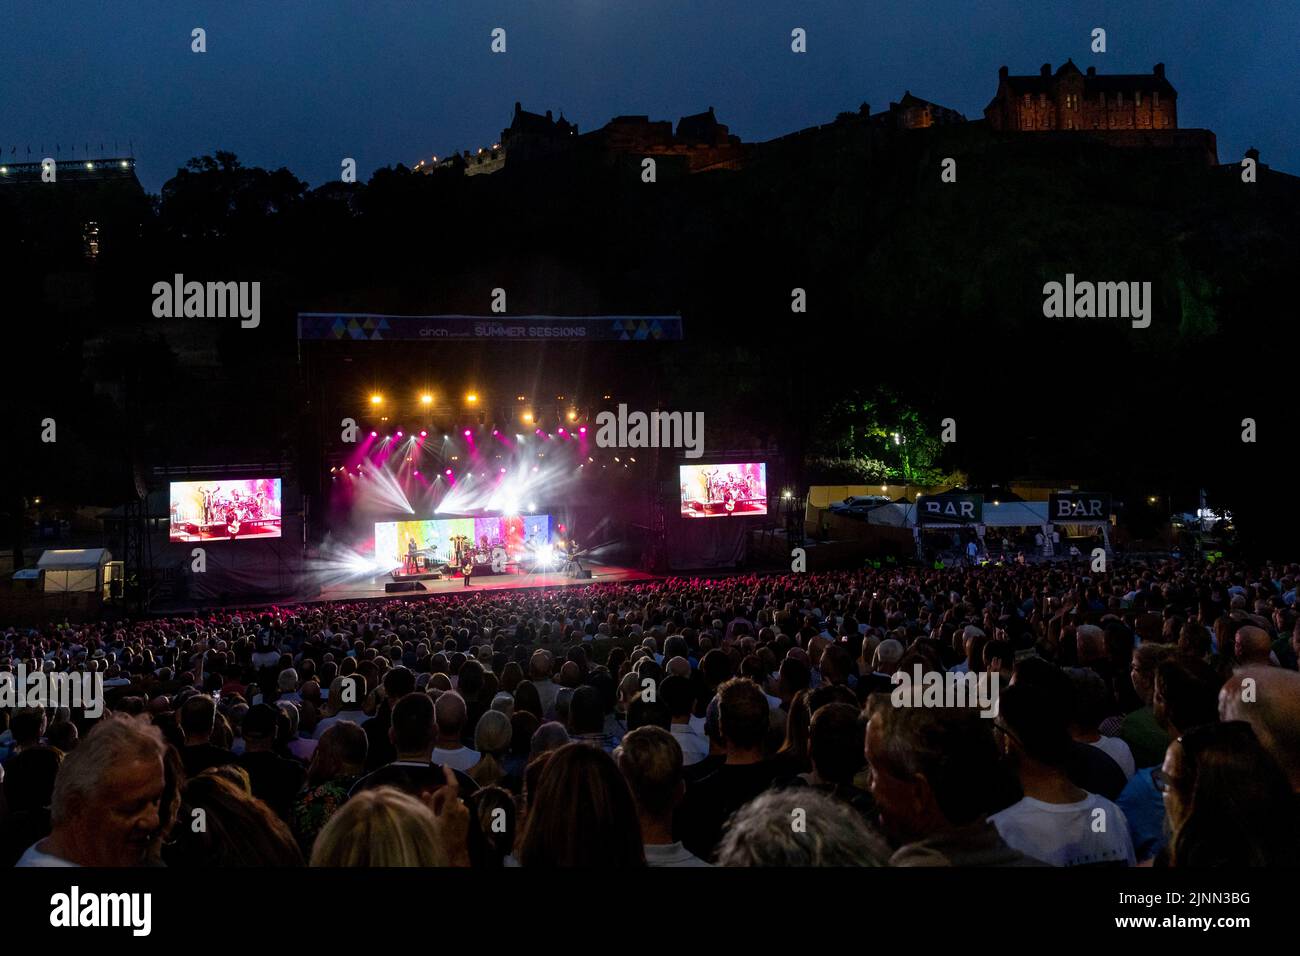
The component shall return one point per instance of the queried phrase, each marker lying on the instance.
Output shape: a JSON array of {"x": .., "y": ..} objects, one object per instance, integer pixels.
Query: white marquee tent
[{"x": 76, "y": 570}]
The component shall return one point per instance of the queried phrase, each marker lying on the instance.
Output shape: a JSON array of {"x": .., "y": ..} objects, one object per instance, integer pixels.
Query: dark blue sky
[{"x": 303, "y": 83}]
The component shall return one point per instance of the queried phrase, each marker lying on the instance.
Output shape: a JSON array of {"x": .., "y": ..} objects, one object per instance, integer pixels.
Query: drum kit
[
  {"x": 731, "y": 491},
  {"x": 487, "y": 558},
  {"x": 235, "y": 510}
]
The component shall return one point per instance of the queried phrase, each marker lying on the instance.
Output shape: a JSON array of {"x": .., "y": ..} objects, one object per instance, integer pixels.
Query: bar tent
[{"x": 77, "y": 570}]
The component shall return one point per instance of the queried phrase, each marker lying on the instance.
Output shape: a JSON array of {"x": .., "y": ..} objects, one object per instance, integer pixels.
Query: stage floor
[{"x": 374, "y": 587}]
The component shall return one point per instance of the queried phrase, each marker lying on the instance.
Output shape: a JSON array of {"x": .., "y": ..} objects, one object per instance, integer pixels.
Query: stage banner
[
  {"x": 950, "y": 509},
  {"x": 1067, "y": 506},
  {"x": 371, "y": 327}
]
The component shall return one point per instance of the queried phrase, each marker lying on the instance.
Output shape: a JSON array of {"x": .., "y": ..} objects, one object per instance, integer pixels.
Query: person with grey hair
[
  {"x": 973, "y": 640},
  {"x": 888, "y": 653},
  {"x": 550, "y": 736},
  {"x": 934, "y": 776},
  {"x": 287, "y": 685},
  {"x": 884, "y": 661},
  {"x": 651, "y": 645},
  {"x": 105, "y": 810},
  {"x": 504, "y": 701},
  {"x": 799, "y": 827},
  {"x": 1090, "y": 644}
]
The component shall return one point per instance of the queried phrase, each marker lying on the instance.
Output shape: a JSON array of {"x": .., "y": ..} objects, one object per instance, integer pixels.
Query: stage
[{"x": 374, "y": 587}]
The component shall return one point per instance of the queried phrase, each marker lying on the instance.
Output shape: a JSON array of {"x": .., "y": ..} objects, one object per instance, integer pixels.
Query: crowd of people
[{"x": 1146, "y": 716}]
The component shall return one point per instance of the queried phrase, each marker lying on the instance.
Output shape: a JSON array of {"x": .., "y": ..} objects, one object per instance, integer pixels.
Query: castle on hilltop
[
  {"x": 1124, "y": 109},
  {"x": 1073, "y": 100},
  {"x": 698, "y": 144}
]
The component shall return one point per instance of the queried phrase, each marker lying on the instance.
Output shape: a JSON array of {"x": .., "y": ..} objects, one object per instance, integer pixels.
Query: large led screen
[
  {"x": 519, "y": 535},
  {"x": 225, "y": 510},
  {"x": 716, "y": 491}
]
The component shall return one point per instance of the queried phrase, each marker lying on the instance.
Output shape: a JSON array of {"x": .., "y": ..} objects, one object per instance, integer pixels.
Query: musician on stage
[
  {"x": 207, "y": 494},
  {"x": 468, "y": 568},
  {"x": 411, "y": 567}
]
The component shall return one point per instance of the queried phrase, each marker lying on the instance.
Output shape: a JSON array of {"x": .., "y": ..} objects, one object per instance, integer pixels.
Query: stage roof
[{"x": 72, "y": 559}]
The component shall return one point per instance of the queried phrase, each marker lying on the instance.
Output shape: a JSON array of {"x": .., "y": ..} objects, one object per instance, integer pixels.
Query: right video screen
[{"x": 716, "y": 491}]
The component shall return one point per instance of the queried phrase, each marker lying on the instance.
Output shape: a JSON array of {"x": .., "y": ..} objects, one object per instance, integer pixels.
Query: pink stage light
[
  {"x": 495, "y": 432},
  {"x": 467, "y": 433},
  {"x": 423, "y": 434},
  {"x": 447, "y": 472},
  {"x": 583, "y": 429},
  {"x": 561, "y": 431},
  {"x": 399, "y": 434},
  {"x": 374, "y": 434}
]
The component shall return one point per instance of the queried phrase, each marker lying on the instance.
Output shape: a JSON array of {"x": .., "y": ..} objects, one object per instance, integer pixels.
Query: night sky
[{"x": 304, "y": 84}]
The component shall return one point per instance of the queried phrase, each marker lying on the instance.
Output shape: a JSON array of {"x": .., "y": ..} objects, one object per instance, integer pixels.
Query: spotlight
[
  {"x": 495, "y": 432},
  {"x": 582, "y": 430},
  {"x": 561, "y": 431},
  {"x": 423, "y": 433},
  {"x": 471, "y": 398},
  {"x": 528, "y": 418},
  {"x": 447, "y": 472},
  {"x": 573, "y": 416},
  {"x": 532, "y": 506},
  {"x": 374, "y": 434},
  {"x": 399, "y": 434},
  {"x": 446, "y": 438},
  {"x": 426, "y": 399},
  {"x": 467, "y": 433},
  {"x": 376, "y": 399},
  {"x": 417, "y": 471}
]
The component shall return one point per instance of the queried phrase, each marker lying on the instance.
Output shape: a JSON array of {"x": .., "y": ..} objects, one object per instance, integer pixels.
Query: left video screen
[{"x": 226, "y": 510}]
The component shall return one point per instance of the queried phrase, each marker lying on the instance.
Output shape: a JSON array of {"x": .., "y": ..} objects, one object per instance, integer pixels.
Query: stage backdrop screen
[
  {"x": 516, "y": 533},
  {"x": 714, "y": 491},
  {"x": 225, "y": 510}
]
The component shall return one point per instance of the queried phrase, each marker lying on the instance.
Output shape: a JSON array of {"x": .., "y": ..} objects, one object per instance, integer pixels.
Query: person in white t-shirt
[
  {"x": 651, "y": 762},
  {"x": 678, "y": 696},
  {"x": 1056, "y": 821},
  {"x": 451, "y": 714},
  {"x": 1087, "y": 713},
  {"x": 345, "y": 703}
]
